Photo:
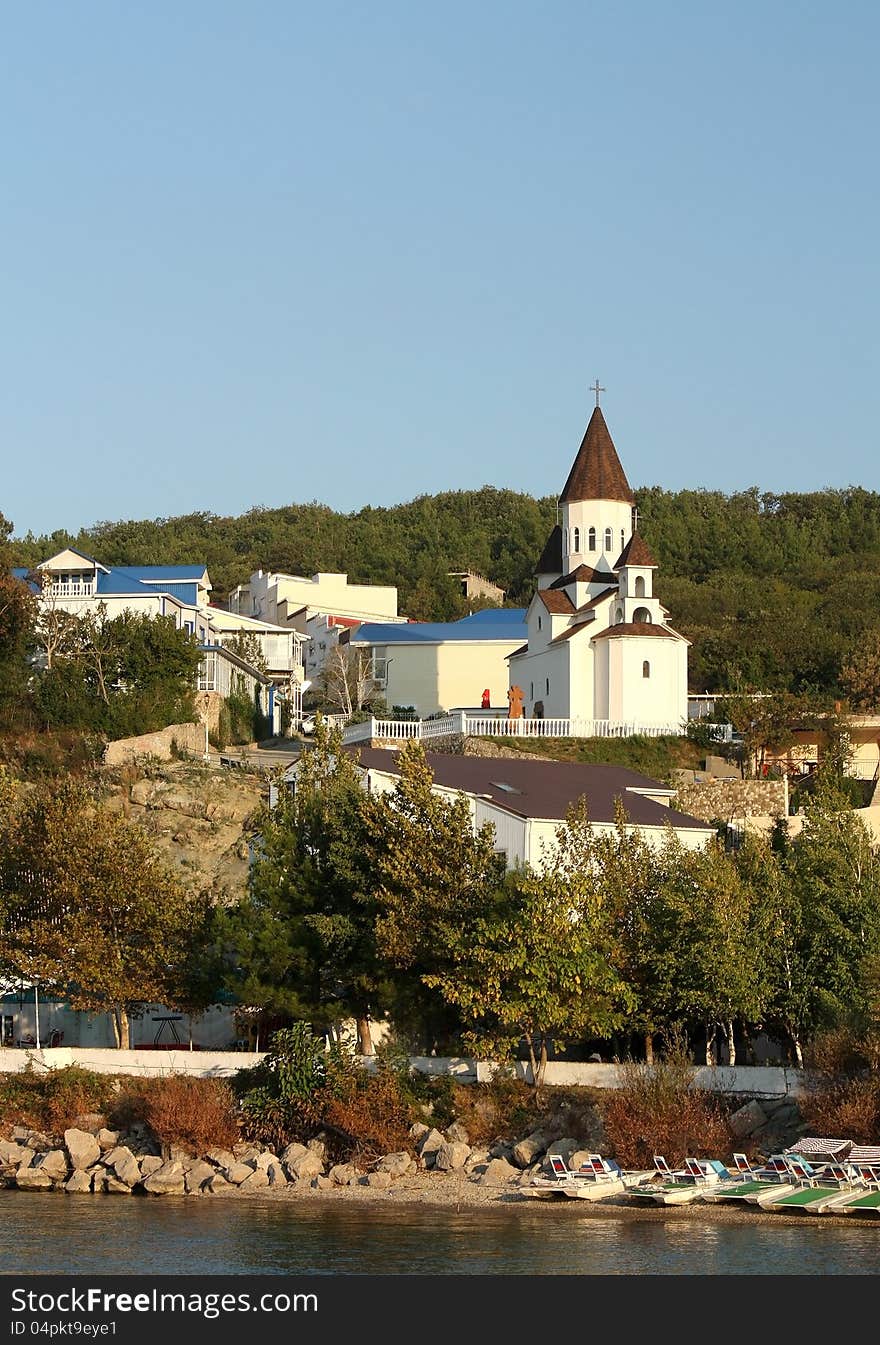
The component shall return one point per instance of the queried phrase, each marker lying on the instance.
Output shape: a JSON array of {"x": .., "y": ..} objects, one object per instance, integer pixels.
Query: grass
[{"x": 654, "y": 757}]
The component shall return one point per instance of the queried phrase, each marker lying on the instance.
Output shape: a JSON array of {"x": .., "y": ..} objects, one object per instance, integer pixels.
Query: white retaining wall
[{"x": 750, "y": 1080}]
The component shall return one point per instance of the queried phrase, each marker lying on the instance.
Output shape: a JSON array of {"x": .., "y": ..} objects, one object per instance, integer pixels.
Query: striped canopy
[
  {"x": 865, "y": 1153},
  {"x": 815, "y": 1147}
]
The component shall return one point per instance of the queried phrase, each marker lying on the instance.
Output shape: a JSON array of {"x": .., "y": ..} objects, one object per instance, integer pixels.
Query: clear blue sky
[{"x": 271, "y": 252}]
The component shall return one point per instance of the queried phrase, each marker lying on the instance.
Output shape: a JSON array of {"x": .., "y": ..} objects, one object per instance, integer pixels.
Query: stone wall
[
  {"x": 188, "y": 738},
  {"x": 729, "y": 800}
]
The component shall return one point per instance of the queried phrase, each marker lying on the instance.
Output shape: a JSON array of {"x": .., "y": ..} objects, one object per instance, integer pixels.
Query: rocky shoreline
[{"x": 441, "y": 1170}]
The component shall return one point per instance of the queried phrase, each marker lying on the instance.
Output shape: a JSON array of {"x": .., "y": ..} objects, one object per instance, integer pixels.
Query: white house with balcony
[{"x": 600, "y": 649}]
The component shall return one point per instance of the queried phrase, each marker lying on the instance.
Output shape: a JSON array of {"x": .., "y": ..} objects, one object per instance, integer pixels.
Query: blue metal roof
[
  {"x": 511, "y": 627},
  {"x": 174, "y": 573},
  {"x": 186, "y": 593}
]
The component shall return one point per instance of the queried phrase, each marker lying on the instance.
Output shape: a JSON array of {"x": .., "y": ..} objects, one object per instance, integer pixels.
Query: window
[
  {"x": 547, "y": 686},
  {"x": 640, "y": 586},
  {"x": 531, "y": 691},
  {"x": 622, "y": 539},
  {"x": 565, "y": 541},
  {"x": 619, "y": 615},
  {"x": 591, "y": 539},
  {"x": 646, "y": 669},
  {"x": 609, "y": 539},
  {"x": 642, "y": 614},
  {"x": 576, "y": 544},
  {"x": 539, "y": 623},
  {"x": 189, "y": 627}
]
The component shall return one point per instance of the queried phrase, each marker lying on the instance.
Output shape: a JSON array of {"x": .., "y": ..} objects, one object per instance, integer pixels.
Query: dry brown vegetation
[{"x": 659, "y": 1112}]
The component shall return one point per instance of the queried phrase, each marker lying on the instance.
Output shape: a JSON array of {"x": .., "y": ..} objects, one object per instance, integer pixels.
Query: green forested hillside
[{"x": 773, "y": 590}]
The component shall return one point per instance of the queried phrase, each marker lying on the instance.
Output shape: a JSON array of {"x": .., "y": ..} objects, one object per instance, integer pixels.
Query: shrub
[
  {"x": 283, "y": 1097},
  {"x": 372, "y": 1120},
  {"x": 51, "y": 1101},
  {"x": 179, "y": 1109},
  {"x": 848, "y": 1107},
  {"x": 656, "y": 1109}
]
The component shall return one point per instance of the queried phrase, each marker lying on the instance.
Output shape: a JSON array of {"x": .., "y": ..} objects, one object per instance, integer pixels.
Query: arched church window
[
  {"x": 576, "y": 544},
  {"x": 539, "y": 623},
  {"x": 642, "y": 614},
  {"x": 565, "y": 541},
  {"x": 622, "y": 539},
  {"x": 591, "y": 539},
  {"x": 640, "y": 586},
  {"x": 646, "y": 669},
  {"x": 618, "y": 615},
  {"x": 609, "y": 539}
]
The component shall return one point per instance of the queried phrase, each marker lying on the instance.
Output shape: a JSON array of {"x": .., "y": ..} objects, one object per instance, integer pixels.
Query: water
[{"x": 49, "y": 1234}]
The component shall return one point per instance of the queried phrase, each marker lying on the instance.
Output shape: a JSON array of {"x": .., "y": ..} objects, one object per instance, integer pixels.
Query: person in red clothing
[{"x": 484, "y": 703}]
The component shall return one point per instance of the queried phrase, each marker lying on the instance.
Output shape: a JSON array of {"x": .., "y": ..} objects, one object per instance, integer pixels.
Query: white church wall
[
  {"x": 601, "y": 515},
  {"x": 660, "y": 698}
]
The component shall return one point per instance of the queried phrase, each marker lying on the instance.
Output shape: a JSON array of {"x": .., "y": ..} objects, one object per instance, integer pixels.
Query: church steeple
[{"x": 596, "y": 473}]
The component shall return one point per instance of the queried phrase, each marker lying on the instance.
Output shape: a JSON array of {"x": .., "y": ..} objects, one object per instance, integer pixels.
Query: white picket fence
[{"x": 407, "y": 730}]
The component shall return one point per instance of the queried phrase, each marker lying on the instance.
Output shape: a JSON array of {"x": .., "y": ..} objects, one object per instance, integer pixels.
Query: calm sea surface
[{"x": 50, "y": 1234}]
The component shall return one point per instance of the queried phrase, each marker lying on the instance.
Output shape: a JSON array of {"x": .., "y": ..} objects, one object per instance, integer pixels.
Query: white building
[
  {"x": 599, "y": 644},
  {"x": 319, "y": 608},
  {"x": 526, "y": 799}
]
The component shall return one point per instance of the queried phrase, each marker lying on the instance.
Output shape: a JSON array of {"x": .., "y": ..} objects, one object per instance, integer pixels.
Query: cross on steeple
[{"x": 597, "y": 388}]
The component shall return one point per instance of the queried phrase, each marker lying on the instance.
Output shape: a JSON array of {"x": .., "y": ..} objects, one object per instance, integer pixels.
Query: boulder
[
  {"x": 90, "y": 1120},
  {"x": 258, "y": 1178},
  {"x": 221, "y": 1158},
  {"x": 238, "y": 1173},
  {"x": 149, "y": 1164},
  {"x": 498, "y": 1172},
  {"x": 217, "y": 1185},
  {"x": 39, "y": 1141},
  {"x": 20, "y": 1132},
  {"x": 396, "y": 1164},
  {"x": 318, "y": 1146},
  {"x": 167, "y": 1180},
  {"x": 575, "y": 1159},
  {"x": 128, "y": 1170},
  {"x": 476, "y": 1158},
  {"x": 417, "y": 1130},
  {"x": 378, "y": 1181},
  {"x": 343, "y": 1174},
  {"x": 429, "y": 1145},
  {"x": 747, "y": 1119},
  {"x": 196, "y": 1175},
  {"x": 107, "y": 1139},
  {"x": 266, "y": 1159},
  {"x": 457, "y": 1133},
  {"x": 114, "y": 1187},
  {"x": 54, "y": 1164},
  {"x": 528, "y": 1149},
  {"x": 118, "y": 1154},
  {"x": 564, "y": 1148},
  {"x": 27, "y": 1156},
  {"x": 289, "y": 1155},
  {"x": 452, "y": 1156},
  {"x": 321, "y": 1184},
  {"x": 79, "y": 1183},
  {"x": 10, "y": 1152},
  {"x": 276, "y": 1174},
  {"x": 309, "y": 1164},
  {"x": 246, "y": 1153},
  {"x": 83, "y": 1148},
  {"x": 33, "y": 1179}
]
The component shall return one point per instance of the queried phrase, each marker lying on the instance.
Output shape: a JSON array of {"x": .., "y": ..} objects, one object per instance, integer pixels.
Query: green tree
[
  {"x": 433, "y": 874},
  {"x": 536, "y": 966},
  {"x": 303, "y": 943},
  {"x": 89, "y": 909},
  {"x": 860, "y": 675}
]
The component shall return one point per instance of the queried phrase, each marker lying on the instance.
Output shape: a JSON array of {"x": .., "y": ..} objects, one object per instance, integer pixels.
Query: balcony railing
[
  {"x": 79, "y": 589},
  {"x": 403, "y": 730}
]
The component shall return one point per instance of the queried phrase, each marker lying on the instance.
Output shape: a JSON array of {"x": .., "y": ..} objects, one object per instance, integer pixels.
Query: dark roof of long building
[
  {"x": 596, "y": 473},
  {"x": 583, "y": 574},
  {"x": 636, "y": 552},
  {"x": 550, "y": 560},
  {"x": 546, "y": 789}
]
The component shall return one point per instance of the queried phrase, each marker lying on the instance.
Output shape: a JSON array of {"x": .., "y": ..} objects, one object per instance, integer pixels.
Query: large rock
[
  {"x": 54, "y": 1164},
  {"x": 167, "y": 1180},
  {"x": 290, "y": 1155},
  {"x": 318, "y": 1146},
  {"x": 530, "y": 1148},
  {"x": 83, "y": 1148},
  {"x": 747, "y": 1119},
  {"x": 378, "y": 1181},
  {"x": 107, "y": 1139},
  {"x": 196, "y": 1175},
  {"x": 564, "y": 1148},
  {"x": 417, "y": 1130},
  {"x": 266, "y": 1159},
  {"x": 217, "y": 1185},
  {"x": 221, "y": 1158},
  {"x": 114, "y": 1187},
  {"x": 451, "y": 1157},
  {"x": 10, "y": 1152},
  {"x": 498, "y": 1173},
  {"x": 33, "y": 1179},
  {"x": 343, "y": 1174},
  {"x": 310, "y": 1164},
  {"x": 457, "y": 1133},
  {"x": 79, "y": 1183},
  {"x": 276, "y": 1174},
  {"x": 258, "y": 1179},
  {"x": 429, "y": 1146},
  {"x": 238, "y": 1173},
  {"x": 150, "y": 1163},
  {"x": 396, "y": 1164},
  {"x": 246, "y": 1153}
]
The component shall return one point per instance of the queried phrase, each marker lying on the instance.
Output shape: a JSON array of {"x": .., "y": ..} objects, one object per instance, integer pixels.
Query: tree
[
  {"x": 433, "y": 875},
  {"x": 860, "y": 674},
  {"x": 536, "y": 965},
  {"x": 303, "y": 941},
  {"x": 346, "y": 679},
  {"x": 248, "y": 648},
  {"x": 89, "y": 909}
]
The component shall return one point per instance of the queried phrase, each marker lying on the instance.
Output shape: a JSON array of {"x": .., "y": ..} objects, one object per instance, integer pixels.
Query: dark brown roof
[
  {"x": 546, "y": 789},
  {"x": 556, "y": 601},
  {"x": 636, "y": 552},
  {"x": 523, "y": 649},
  {"x": 638, "y": 628},
  {"x": 600, "y": 597},
  {"x": 583, "y": 575},
  {"x": 572, "y": 631},
  {"x": 596, "y": 473},
  {"x": 550, "y": 561}
]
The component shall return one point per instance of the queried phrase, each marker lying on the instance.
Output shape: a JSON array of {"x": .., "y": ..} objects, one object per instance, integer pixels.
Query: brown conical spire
[
  {"x": 597, "y": 473},
  {"x": 636, "y": 552}
]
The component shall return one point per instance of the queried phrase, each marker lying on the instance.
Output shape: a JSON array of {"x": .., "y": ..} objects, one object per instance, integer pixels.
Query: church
[{"x": 599, "y": 644}]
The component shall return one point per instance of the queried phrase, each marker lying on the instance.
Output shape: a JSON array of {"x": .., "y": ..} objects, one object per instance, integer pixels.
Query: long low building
[{"x": 526, "y": 800}]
